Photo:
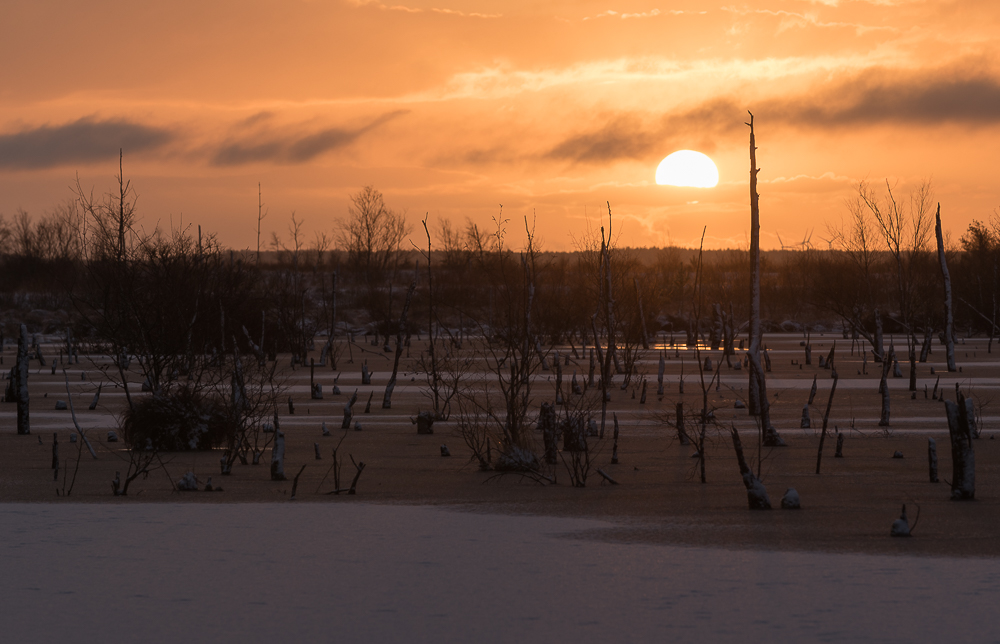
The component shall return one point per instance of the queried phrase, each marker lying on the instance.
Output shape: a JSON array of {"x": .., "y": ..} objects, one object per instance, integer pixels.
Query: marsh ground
[{"x": 849, "y": 507}]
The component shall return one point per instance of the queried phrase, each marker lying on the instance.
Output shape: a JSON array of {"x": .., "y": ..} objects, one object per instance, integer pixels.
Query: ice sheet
[{"x": 248, "y": 573}]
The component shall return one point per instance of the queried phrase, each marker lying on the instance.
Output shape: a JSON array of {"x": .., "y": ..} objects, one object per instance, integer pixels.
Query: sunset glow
[{"x": 453, "y": 106}]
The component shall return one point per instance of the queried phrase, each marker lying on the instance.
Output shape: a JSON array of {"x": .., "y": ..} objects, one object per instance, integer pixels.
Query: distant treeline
[{"x": 94, "y": 259}]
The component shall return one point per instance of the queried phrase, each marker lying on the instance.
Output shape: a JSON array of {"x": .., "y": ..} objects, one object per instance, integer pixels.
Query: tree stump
[
  {"x": 424, "y": 422},
  {"x": 901, "y": 526}
]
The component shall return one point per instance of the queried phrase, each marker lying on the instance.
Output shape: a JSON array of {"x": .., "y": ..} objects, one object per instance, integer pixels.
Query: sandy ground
[{"x": 848, "y": 508}]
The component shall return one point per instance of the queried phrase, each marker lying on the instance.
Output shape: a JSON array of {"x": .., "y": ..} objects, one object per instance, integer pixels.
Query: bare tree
[
  {"x": 372, "y": 237},
  {"x": 445, "y": 369},
  {"x": 508, "y": 349},
  {"x": 905, "y": 228},
  {"x": 758, "y": 386}
]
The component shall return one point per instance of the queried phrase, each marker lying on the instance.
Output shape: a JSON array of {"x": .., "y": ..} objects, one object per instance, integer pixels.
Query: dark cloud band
[
  {"x": 874, "y": 98},
  {"x": 288, "y": 146},
  {"x": 83, "y": 141}
]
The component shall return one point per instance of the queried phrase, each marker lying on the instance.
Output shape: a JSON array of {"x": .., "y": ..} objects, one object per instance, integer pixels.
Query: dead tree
[
  {"x": 97, "y": 397},
  {"x": 826, "y": 421},
  {"x": 614, "y": 450},
  {"x": 55, "y": 456},
  {"x": 608, "y": 302},
  {"x": 315, "y": 388},
  {"x": 932, "y": 468},
  {"x": 961, "y": 428},
  {"x": 925, "y": 346},
  {"x": 642, "y": 318},
  {"x": 83, "y": 441},
  {"x": 349, "y": 410},
  {"x": 278, "y": 452},
  {"x": 659, "y": 374},
  {"x": 21, "y": 383},
  {"x": 878, "y": 351},
  {"x": 884, "y": 390},
  {"x": 949, "y": 327},
  {"x": 758, "y": 385},
  {"x": 756, "y": 492},
  {"x": 387, "y": 396},
  {"x": 547, "y": 423},
  {"x": 295, "y": 482},
  {"x": 718, "y": 328},
  {"x": 559, "y": 374},
  {"x": 681, "y": 433}
]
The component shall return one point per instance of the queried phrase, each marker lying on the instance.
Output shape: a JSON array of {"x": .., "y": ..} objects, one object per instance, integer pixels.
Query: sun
[{"x": 687, "y": 168}]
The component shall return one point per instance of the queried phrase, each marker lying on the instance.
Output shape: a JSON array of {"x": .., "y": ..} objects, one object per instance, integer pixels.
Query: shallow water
[{"x": 351, "y": 571}]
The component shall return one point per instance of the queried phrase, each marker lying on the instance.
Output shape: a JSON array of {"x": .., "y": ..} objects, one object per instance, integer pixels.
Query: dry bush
[{"x": 177, "y": 420}]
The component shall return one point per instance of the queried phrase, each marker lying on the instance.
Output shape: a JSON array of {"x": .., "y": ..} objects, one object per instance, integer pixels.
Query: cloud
[
  {"x": 625, "y": 16},
  {"x": 790, "y": 19},
  {"x": 83, "y": 141},
  {"x": 882, "y": 96},
  {"x": 623, "y": 136},
  {"x": 876, "y": 97},
  {"x": 288, "y": 145},
  {"x": 452, "y": 12},
  {"x": 630, "y": 136}
]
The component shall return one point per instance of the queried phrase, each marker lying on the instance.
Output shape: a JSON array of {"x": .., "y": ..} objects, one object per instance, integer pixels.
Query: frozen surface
[{"x": 356, "y": 572}]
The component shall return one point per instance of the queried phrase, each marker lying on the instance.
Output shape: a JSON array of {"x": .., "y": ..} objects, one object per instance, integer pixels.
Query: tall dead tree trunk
[
  {"x": 961, "y": 427},
  {"x": 758, "y": 384},
  {"x": 609, "y": 321},
  {"x": 949, "y": 321}
]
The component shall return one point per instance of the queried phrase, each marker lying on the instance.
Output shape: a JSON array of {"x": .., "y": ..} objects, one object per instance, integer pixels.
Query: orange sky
[{"x": 452, "y": 107}]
